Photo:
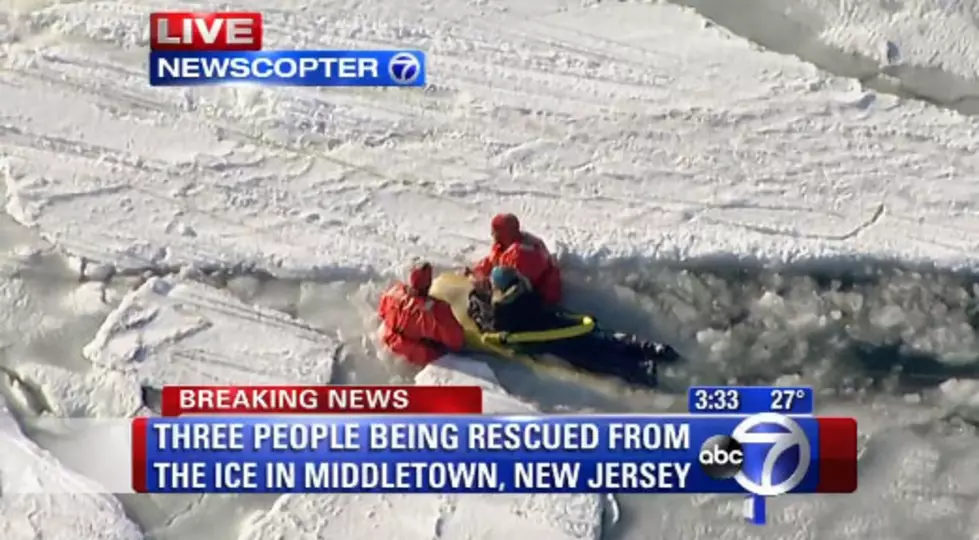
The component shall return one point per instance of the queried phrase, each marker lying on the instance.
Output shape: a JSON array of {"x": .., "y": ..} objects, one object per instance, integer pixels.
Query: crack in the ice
[
  {"x": 33, "y": 397},
  {"x": 873, "y": 220},
  {"x": 762, "y": 25},
  {"x": 180, "y": 514},
  {"x": 15, "y": 136},
  {"x": 611, "y": 517},
  {"x": 780, "y": 33},
  {"x": 850, "y": 234},
  {"x": 151, "y": 398}
]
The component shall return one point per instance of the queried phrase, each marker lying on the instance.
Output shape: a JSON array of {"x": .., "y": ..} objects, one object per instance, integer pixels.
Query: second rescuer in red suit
[
  {"x": 417, "y": 326},
  {"x": 526, "y": 254}
]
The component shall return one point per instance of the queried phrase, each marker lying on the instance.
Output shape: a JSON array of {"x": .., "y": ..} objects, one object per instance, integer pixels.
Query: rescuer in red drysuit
[
  {"x": 523, "y": 252},
  {"x": 416, "y": 326}
]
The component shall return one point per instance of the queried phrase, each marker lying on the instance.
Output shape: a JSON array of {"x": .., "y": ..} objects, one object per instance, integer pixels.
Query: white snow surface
[
  {"x": 85, "y": 514},
  {"x": 591, "y": 123},
  {"x": 922, "y": 48},
  {"x": 177, "y": 331},
  {"x": 615, "y": 130}
]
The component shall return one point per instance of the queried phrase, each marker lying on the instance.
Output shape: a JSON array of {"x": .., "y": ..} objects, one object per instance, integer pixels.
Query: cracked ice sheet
[
  {"x": 597, "y": 129},
  {"x": 174, "y": 331},
  {"x": 446, "y": 517},
  {"x": 85, "y": 514},
  {"x": 183, "y": 332}
]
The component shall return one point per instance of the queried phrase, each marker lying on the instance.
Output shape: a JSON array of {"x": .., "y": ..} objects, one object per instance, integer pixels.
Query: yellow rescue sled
[{"x": 455, "y": 289}]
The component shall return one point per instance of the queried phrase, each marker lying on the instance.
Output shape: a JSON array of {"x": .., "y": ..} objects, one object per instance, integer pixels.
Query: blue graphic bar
[
  {"x": 745, "y": 400},
  {"x": 289, "y": 68},
  {"x": 755, "y": 510},
  {"x": 424, "y": 454}
]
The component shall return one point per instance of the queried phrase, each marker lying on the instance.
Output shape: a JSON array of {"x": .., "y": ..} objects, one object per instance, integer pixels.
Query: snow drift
[
  {"x": 25, "y": 467},
  {"x": 925, "y": 49}
]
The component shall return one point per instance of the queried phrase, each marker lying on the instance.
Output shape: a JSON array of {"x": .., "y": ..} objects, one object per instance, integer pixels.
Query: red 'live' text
[{"x": 189, "y": 31}]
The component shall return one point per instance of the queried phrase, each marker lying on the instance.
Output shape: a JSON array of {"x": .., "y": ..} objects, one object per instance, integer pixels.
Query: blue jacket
[{"x": 519, "y": 309}]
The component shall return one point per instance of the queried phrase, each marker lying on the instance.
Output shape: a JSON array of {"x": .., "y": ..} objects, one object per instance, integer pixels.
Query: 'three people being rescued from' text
[{"x": 437, "y": 436}]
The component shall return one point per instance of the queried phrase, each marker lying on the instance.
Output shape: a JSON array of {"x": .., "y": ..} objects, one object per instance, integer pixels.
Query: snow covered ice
[
  {"x": 620, "y": 132},
  {"x": 84, "y": 514},
  {"x": 557, "y": 517},
  {"x": 616, "y": 148}
]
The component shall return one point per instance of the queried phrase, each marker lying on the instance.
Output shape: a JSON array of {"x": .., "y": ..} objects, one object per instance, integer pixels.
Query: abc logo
[
  {"x": 404, "y": 68},
  {"x": 721, "y": 457},
  {"x": 761, "y": 469}
]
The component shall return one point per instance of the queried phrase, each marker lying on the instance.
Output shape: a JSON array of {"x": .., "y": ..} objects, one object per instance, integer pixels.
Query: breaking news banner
[
  {"x": 192, "y": 49},
  {"x": 765, "y": 455},
  {"x": 266, "y": 400}
]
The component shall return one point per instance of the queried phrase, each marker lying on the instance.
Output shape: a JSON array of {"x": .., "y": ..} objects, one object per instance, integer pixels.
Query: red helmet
[
  {"x": 506, "y": 228},
  {"x": 420, "y": 278}
]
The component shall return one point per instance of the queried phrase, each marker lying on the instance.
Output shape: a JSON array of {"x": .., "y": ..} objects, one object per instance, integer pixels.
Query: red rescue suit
[
  {"x": 529, "y": 256},
  {"x": 419, "y": 328}
]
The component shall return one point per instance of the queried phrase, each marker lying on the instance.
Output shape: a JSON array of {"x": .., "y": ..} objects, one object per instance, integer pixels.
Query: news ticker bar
[
  {"x": 324, "y": 68},
  {"x": 491, "y": 454},
  {"x": 743, "y": 400}
]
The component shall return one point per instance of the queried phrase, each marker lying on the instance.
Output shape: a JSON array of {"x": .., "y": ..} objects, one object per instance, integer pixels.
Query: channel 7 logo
[{"x": 767, "y": 455}]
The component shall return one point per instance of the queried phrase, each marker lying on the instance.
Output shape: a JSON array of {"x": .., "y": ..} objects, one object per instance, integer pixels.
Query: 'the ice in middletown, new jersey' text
[{"x": 422, "y": 476}]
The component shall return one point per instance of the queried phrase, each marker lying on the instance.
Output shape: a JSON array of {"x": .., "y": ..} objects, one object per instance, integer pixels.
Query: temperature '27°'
[{"x": 784, "y": 398}]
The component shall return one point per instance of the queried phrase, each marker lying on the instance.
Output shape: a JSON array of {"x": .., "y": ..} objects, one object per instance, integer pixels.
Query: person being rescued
[
  {"x": 524, "y": 252},
  {"x": 512, "y": 306},
  {"x": 418, "y": 327}
]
